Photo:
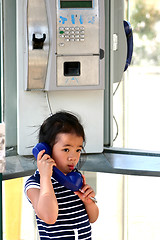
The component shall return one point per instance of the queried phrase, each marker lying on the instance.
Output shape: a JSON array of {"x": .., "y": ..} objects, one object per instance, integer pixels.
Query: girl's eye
[
  {"x": 79, "y": 150},
  {"x": 66, "y": 150}
]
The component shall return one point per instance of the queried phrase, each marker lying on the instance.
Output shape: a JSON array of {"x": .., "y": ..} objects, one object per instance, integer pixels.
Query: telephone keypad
[{"x": 72, "y": 33}]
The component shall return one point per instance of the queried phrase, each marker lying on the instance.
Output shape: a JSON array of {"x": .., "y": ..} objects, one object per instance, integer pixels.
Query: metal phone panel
[
  {"x": 88, "y": 102},
  {"x": 38, "y": 43},
  {"x": 78, "y": 30},
  {"x": 87, "y": 73},
  {"x": 118, "y": 40}
]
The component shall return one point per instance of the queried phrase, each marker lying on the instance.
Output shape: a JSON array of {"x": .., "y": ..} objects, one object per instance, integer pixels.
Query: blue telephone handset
[
  {"x": 129, "y": 36},
  {"x": 72, "y": 180}
]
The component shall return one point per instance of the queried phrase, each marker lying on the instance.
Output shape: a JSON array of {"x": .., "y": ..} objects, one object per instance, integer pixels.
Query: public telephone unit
[
  {"x": 60, "y": 46},
  {"x": 65, "y": 44}
]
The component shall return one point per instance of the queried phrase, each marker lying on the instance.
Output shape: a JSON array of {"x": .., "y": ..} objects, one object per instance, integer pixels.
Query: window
[{"x": 136, "y": 102}]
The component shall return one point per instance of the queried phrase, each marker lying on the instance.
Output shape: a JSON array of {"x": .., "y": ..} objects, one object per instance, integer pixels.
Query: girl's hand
[
  {"x": 86, "y": 192},
  {"x": 90, "y": 206},
  {"x": 45, "y": 164}
]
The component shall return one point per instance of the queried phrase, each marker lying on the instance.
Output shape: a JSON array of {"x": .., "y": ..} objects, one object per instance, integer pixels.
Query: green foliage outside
[{"x": 145, "y": 22}]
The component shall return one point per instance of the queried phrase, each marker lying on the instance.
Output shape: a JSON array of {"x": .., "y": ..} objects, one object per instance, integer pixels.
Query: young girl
[{"x": 60, "y": 212}]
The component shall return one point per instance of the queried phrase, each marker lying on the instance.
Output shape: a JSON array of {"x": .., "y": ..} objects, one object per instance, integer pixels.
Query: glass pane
[
  {"x": 140, "y": 86},
  {"x": 128, "y": 208},
  {"x": 144, "y": 77},
  {"x": 18, "y": 215},
  {"x": 142, "y": 208},
  {"x": 137, "y": 113},
  {"x": 19, "y": 219}
]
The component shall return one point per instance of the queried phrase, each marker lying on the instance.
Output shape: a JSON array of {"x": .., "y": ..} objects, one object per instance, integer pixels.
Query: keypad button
[{"x": 61, "y": 32}]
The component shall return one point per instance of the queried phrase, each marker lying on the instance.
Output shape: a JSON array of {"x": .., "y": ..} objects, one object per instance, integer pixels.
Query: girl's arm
[
  {"x": 44, "y": 200},
  {"x": 91, "y": 207}
]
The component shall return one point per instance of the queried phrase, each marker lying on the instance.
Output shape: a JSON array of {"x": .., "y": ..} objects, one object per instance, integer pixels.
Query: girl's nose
[{"x": 71, "y": 158}]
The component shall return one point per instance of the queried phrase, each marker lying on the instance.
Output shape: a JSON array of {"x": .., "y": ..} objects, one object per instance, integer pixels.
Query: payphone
[
  {"x": 60, "y": 66},
  {"x": 65, "y": 44}
]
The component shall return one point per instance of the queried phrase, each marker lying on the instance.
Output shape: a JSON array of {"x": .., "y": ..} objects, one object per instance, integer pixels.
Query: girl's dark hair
[{"x": 60, "y": 122}]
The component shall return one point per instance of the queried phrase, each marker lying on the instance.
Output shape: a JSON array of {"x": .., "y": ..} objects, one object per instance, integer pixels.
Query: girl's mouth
[{"x": 71, "y": 167}]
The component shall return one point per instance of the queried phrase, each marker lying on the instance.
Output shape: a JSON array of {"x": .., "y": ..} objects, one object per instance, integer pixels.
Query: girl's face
[{"x": 66, "y": 151}]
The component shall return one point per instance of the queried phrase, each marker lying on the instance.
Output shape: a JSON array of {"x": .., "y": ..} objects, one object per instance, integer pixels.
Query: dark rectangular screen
[
  {"x": 75, "y": 4},
  {"x": 71, "y": 68}
]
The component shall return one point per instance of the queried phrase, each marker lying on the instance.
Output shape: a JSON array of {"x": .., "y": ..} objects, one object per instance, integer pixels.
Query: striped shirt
[{"x": 72, "y": 222}]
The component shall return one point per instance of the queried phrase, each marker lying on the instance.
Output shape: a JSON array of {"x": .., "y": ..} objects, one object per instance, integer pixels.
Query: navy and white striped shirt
[{"x": 72, "y": 222}]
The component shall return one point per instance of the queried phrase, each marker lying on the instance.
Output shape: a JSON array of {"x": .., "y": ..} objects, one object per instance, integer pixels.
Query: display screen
[
  {"x": 72, "y": 69},
  {"x": 75, "y": 4}
]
